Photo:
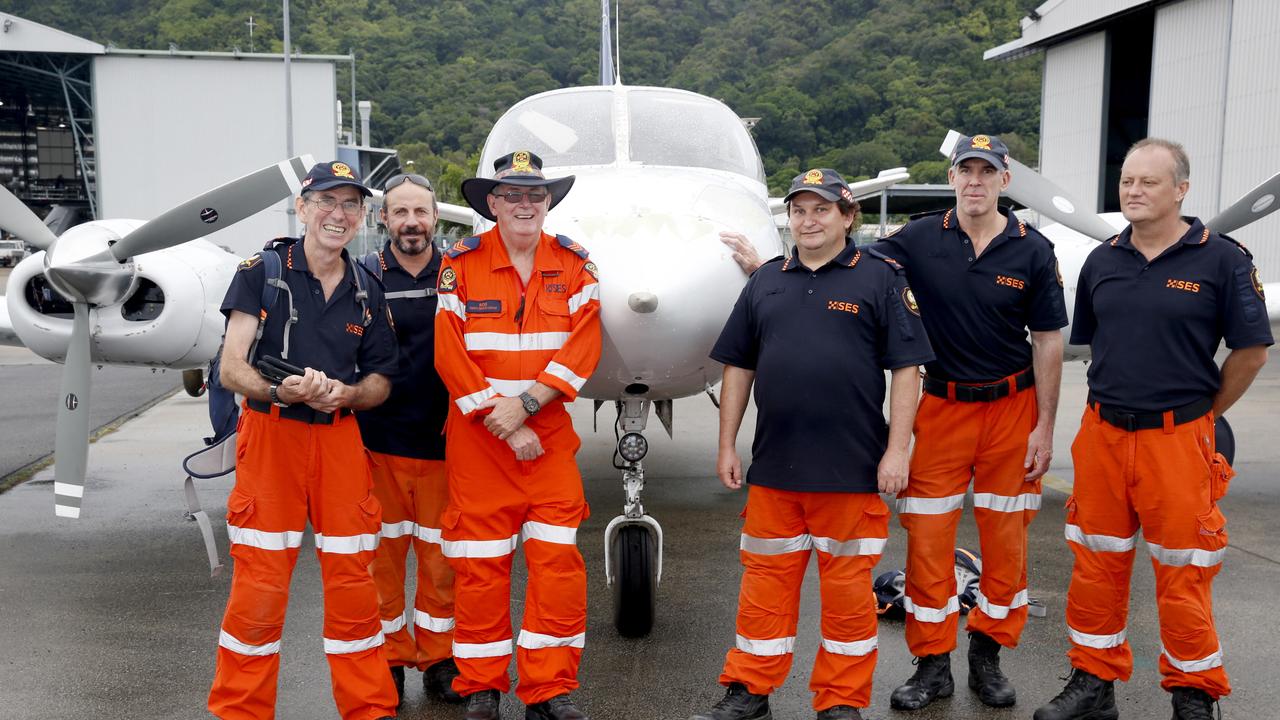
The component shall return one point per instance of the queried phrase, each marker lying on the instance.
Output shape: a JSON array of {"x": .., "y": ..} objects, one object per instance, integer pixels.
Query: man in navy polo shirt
[
  {"x": 984, "y": 279},
  {"x": 814, "y": 333},
  {"x": 1154, "y": 303},
  {"x": 299, "y": 455},
  {"x": 405, "y": 438}
]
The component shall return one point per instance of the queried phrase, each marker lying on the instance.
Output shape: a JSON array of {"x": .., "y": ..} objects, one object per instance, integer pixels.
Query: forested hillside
[{"x": 857, "y": 85}]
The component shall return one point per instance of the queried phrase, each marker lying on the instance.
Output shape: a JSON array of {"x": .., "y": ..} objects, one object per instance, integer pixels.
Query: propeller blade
[
  {"x": 1037, "y": 192},
  {"x": 71, "y": 447},
  {"x": 1255, "y": 205},
  {"x": 219, "y": 208},
  {"x": 18, "y": 219}
]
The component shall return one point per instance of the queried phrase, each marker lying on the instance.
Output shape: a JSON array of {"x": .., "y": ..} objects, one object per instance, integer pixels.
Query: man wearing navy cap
[
  {"x": 405, "y": 438},
  {"x": 1154, "y": 304},
  {"x": 814, "y": 334},
  {"x": 299, "y": 455},
  {"x": 984, "y": 279}
]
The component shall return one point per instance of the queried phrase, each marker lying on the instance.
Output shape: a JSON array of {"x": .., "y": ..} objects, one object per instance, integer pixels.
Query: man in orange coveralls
[
  {"x": 517, "y": 334},
  {"x": 299, "y": 455},
  {"x": 1155, "y": 303}
]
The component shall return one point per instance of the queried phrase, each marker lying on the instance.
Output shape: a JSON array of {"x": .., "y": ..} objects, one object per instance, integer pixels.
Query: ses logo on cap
[
  {"x": 342, "y": 170},
  {"x": 520, "y": 161},
  {"x": 813, "y": 177},
  {"x": 981, "y": 142}
]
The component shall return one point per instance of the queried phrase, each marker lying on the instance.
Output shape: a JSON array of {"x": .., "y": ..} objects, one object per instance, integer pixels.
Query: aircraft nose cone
[{"x": 643, "y": 302}]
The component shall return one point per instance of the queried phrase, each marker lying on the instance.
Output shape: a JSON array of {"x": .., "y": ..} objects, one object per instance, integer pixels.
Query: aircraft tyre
[
  {"x": 193, "y": 382},
  {"x": 635, "y": 584}
]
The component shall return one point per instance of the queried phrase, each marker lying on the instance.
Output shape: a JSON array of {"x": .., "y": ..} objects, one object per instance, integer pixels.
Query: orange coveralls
[{"x": 496, "y": 337}]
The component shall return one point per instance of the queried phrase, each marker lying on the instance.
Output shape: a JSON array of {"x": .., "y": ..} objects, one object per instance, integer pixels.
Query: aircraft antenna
[
  {"x": 608, "y": 75},
  {"x": 617, "y": 41}
]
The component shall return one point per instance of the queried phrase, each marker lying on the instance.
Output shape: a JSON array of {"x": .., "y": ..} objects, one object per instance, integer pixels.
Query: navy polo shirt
[
  {"x": 1154, "y": 326},
  {"x": 411, "y": 422},
  {"x": 329, "y": 336},
  {"x": 978, "y": 309},
  {"x": 819, "y": 341}
]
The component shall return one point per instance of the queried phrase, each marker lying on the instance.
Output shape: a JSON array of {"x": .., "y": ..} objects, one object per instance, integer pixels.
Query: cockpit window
[
  {"x": 680, "y": 129},
  {"x": 563, "y": 129}
]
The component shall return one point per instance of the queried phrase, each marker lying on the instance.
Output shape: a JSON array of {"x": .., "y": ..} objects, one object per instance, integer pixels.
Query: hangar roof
[
  {"x": 1054, "y": 21},
  {"x": 19, "y": 35}
]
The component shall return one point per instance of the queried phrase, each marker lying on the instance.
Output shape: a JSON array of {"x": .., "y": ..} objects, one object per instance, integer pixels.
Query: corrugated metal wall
[
  {"x": 1251, "y": 141},
  {"x": 1071, "y": 116},
  {"x": 1188, "y": 86}
]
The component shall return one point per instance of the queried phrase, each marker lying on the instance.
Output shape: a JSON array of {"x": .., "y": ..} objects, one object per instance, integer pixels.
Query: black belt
[
  {"x": 1152, "y": 420},
  {"x": 985, "y": 392},
  {"x": 301, "y": 413}
]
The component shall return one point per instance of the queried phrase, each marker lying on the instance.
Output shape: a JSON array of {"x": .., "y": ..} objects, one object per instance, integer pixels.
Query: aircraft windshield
[
  {"x": 678, "y": 129},
  {"x": 563, "y": 129}
]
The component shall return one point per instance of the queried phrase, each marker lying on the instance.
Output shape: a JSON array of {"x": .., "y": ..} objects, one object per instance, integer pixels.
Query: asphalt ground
[{"x": 115, "y": 615}]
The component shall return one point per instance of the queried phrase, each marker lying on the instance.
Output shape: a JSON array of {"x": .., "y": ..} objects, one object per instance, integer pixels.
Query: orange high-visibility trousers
[
  {"x": 495, "y": 501},
  {"x": 848, "y": 531},
  {"x": 1168, "y": 481},
  {"x": 959, "y": 442},
  {"x": 289, "y": 472},
  {"x": 413, "y": 493}
]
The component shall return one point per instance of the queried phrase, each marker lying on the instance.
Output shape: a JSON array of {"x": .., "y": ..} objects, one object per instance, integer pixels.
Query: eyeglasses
[
  {"x": 515, "y": 197},
  {"x": 396, "y": 181},
  {"x": 349, "y": 207}
]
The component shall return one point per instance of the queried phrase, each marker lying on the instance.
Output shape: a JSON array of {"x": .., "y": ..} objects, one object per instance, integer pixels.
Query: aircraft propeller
[
  {"x": 18, "y": 219},
  {"x": 1255, "y": 205}
]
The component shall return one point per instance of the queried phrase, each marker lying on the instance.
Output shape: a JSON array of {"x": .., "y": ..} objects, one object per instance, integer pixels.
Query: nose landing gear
[{"x": 633, "y": 540}]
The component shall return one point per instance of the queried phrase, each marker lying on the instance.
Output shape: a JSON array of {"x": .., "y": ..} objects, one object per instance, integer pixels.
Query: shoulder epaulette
[
  {"x": 1237, "y": 243},
  {"x": 894, "y": 264},
  {"x": 463, "y": 246},
  {"x": 572, "y": 246}
]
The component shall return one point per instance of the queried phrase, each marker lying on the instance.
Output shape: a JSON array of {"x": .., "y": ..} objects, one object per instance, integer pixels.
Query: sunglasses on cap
[
  {"x": 396, "y": 181},
  {"x": 515, "y": 197}
]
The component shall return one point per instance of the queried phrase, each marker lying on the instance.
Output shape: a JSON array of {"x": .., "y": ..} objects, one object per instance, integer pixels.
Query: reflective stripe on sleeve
[
  {"x": 428, "y": 622},
  {"x": 510, "y": 388},
  {"x": 555, "y": 369},
  {"x": 393, "y": 626},
  {"x": 226, "y": 640},
  {"x": 537, "y": 641},
  {"x": 346, "y": 544},
  {"x": 1204, "y": 663},
  {"x": 514, "y": 342},
  {"x": 479, "y": 548},
  {"x": 429, "y": 535},
  {"x": 1000, "y": 612},
  {"x": 930, "y": 506},
  {"x": 449, "y": 302},
  {"x": 583, "y": 296},
  {"x": 856, "y": 648},
  {"x": 400, "y": 529},
  {"x": 264, "y": 540},
  {"x": 777, "y": 646},
  {"x": 1181, "y": 557},
  {"x": 1100, "y": 543},
  {"x": 1100, "y": 642},
  {"x": 1007, "y": 503},
  {"x": 346, "y": 647},
  {"x": 928, "y": 614},
  {"x": 549, "y": 533},
  {"x": 497, "y": 648},
  {"x": 847, "y": 548},
  {"x": 468, "y": 403},
  {"x": 775, "y": 546}
]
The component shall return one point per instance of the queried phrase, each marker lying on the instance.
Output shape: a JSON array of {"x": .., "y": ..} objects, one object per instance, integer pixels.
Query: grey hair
[{"x": 1181, "y": 163}]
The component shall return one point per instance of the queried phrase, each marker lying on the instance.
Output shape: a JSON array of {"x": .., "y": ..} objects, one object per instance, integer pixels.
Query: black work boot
[
  {"x": 1086, "y": 697},
  {"x": 1192, "y": 704},
  {"x": 738, "y": 704},
  {"x": 483, "y": 705},
  {"x": 437, "y": 681},
  {"x": 985, "y": 677},
  {"x": 931, "y": 680},
  {"x": 840, "y": 712},
  {"x": 559, "y": 707},
  {"x": 397, "y": 676}
]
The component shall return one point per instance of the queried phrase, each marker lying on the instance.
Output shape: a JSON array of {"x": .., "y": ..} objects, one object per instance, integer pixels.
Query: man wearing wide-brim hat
[{"x": 517, "y": 335}]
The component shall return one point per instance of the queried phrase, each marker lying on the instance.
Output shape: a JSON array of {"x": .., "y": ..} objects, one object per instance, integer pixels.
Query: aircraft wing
[
  {"x": 861, "y": 189},
  {"x": 457, "y": 214},
  {"x": 7, "y": 335}
]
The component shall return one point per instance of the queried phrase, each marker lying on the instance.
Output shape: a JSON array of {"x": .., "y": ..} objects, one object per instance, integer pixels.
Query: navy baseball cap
[
  {"x": 824, "y": 182},
  {"x": 988, "y": 147},
  {"x": 326, "y": 175}
]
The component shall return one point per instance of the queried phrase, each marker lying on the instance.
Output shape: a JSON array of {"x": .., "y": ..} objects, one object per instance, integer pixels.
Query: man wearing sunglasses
[
  {"x": 517, "y": 335},
  {"x": 299, "y": 455},
  {"x": 405, "y": 439}
]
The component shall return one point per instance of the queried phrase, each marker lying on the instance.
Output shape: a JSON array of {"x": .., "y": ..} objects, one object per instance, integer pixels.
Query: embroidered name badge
[
  {"x": 1186, "y": 285},
  {"x": 1012, "y": 282},
  {"x": 484, "y": 307},
  {"x": 842, "y": 306},
  {"x": 559, "y": 288}
]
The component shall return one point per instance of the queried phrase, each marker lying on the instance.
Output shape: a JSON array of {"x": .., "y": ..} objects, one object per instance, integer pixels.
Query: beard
[{"x": 413, "y": 244}]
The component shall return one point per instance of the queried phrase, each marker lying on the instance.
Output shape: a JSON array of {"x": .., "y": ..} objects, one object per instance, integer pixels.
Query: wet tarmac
[{"x": 115, "y": 615}]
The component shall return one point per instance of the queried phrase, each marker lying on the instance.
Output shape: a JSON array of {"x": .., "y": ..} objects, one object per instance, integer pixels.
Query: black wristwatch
[
  {"x": 275, "y": 397},
  {"x": 531, "y": 404}
]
